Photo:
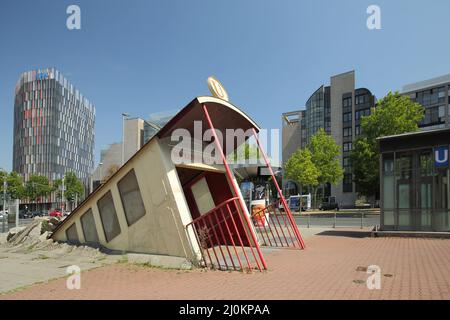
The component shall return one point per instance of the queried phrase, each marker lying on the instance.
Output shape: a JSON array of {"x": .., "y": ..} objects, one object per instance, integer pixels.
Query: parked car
[
  {"x": 38, "y": 213},
  {"x": 24, "y": 214},
  {"x": 329, "y": 203}
]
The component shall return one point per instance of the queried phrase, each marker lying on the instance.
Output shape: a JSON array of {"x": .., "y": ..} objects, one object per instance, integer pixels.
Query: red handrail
[
  {"x": 221, "y": 227},
  {"x": 203, "y": 216},
  {"x": 283, "y": 200},
  {"x": 271, "y": 229}
]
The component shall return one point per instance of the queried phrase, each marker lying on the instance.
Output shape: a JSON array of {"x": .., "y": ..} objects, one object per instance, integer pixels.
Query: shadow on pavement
[{"x": 346, "y": 233}]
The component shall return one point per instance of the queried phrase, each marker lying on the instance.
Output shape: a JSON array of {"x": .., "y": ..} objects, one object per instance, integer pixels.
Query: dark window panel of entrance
[{"x": 108, "y": 216}]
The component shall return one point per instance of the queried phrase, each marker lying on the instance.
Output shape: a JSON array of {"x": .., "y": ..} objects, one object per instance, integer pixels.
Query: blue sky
[{"x": 143, "y": 57}]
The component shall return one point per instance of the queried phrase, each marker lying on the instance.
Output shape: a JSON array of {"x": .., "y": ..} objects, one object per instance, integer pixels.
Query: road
[
  {"x": 22, "y": 222},
  {"x": 323, "y": 220}
]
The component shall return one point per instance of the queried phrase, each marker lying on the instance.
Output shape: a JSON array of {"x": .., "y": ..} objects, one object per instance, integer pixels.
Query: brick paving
[{"x": 412, "y": 268}]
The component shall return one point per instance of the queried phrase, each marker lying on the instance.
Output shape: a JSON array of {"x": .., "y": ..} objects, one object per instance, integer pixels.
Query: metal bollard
[
  {"x": 362, "y": 219},
  {"x": 309, "y": 219},
  {"x": 334, "y": 225},
  {"x": 17, "y": 212}
]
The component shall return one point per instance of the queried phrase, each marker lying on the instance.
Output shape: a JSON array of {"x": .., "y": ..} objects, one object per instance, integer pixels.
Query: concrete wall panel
[{"x": 161, "y": 230}]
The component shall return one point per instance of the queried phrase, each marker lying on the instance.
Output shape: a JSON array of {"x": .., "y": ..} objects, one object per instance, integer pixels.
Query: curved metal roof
[{"x": 224, "y": 116}]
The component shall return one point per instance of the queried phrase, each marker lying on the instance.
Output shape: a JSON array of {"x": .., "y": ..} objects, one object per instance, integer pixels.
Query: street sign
[{"x": 441, "y": 157}]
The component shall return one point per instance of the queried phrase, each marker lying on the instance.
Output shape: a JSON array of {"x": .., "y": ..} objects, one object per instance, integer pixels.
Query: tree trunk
[{"x": 315, "y": 196}]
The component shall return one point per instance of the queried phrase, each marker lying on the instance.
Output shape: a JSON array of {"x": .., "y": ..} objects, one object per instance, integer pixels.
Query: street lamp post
[
  {"x": 100, "y": 167},
  {"x": 4, "y": 202},
  {"x": 63, "y": 205},
  {"x": 124, "y": 117}
]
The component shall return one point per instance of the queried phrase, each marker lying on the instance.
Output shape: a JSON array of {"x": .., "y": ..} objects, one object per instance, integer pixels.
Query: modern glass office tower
[
  {"x": 338, "y": 109},
  {"x": 53, "y": 127}
]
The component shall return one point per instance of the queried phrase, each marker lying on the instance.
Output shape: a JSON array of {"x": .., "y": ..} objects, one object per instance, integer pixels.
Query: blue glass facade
[{"x": 318, "y": 112}]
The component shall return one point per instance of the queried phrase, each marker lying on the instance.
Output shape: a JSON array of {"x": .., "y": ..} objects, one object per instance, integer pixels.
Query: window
[
  {"x": 431, "y": 97},
  {"x": 346, "y": 165},
  {"x": 425, "y": 164},
  {"x": 433, "y": 115},
  {"x": 404, "y": 166},
  {"x": 130, "y": 195},
  {"x": 347, "y": 117},
  {"x": 357, "y": 130},
  {"x": 202, "y": 196},
  {"x": 441, "y": 94},
  {"x": 89, "y": 229},
  {"x": 347, "y": 132},
  {"x": 72, "y": 234},
  {"x": 360, "y": 99},
  {"x": 108, "y": 216},
  {"x": 388, "y": 190},
  {"x": 362, "y": 113},
  {"x": 345, "y": 162},
  {"x": 347, "y": 146},
  {"x": 347, "y": 184},
  {"x": 347, "y": 102},
  {"x": 441, "y": 114}
]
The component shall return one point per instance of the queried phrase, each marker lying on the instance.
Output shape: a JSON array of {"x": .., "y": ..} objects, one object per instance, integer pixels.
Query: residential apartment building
[{"x": 433, "y": 95}]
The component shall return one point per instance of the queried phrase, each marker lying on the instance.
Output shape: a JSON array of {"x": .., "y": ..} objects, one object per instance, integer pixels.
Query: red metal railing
[
  {"x": 275, "y": 228},
  {"x": 283, "y": 200},
  {"x": 225, "y": 234},
  {"x": 251, "y": 234},
  {"x": 225, "y": 240}
]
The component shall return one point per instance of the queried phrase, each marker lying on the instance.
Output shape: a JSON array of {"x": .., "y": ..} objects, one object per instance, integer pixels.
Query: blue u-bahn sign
[{"x": 441, "y": 157}]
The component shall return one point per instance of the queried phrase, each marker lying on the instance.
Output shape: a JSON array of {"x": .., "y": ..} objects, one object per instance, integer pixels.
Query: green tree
[
  {"x": 36, "y": 187},
  {"x": 3, "y": 176},
  {"x": 325, "y": 156},
  {"x": 317, "y": 164},
  {"x": 246, "y": 151},
  {"x": 301, "y": 169},
  {"x": 394, "y": 114},
  {"x": 73, "y": 187},
  {"x": 14, "y": 188}
]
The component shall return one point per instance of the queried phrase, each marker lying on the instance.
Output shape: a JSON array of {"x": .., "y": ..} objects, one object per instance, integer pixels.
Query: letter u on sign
[{"x": 441, "y": 157}]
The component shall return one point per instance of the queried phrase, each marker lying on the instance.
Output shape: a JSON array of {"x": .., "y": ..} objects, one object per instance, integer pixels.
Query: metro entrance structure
[
  {"x": 414, "y": 181},
  {"x": 192, "y": 209}
]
